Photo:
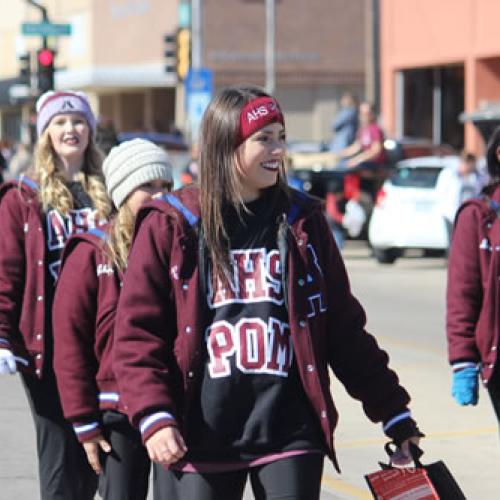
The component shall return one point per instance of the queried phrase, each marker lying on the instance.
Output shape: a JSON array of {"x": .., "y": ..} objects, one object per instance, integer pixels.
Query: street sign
[
  {"x": 45, "y": 29},
  {"x": 199, "y": 89}
]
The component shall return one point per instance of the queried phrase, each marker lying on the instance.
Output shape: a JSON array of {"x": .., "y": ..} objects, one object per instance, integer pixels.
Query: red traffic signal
[
  {"x": 46, "y": 57},
  {"x": 45, "y": 69}
]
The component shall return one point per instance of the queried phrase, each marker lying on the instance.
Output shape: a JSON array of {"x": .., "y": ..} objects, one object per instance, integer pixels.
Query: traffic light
[
  {"x": 183, "y": 53},
  {"x": 25, "y": 68},
  {"x": 45, "y": 69},
  {"x": 178, "y": 52},
  {"x": 170, "y": 52}
]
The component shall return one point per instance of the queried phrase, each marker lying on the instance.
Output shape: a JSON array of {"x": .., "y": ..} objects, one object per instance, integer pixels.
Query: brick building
[{"x": 115, "y": 54}]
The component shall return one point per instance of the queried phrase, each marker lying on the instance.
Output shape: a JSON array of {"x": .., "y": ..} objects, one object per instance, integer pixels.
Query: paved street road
[{"x": 405, "y": 307}]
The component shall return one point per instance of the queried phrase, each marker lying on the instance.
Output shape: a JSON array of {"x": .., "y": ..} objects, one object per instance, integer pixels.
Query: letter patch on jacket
[{"x": 60, "y": 228}]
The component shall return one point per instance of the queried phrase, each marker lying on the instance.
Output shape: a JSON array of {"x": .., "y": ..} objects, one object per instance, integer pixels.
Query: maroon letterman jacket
[
  {"x": 84, "y": 310},
  {"x": 22, "y": 275},
  {"x": 473, "y": 292},
  {"x": 159, "y": 325}
]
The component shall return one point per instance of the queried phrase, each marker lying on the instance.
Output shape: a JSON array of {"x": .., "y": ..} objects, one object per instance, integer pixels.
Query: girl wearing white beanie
[
  {"x": 62, "y": 194},
  {"x": 87, "y": 293}
]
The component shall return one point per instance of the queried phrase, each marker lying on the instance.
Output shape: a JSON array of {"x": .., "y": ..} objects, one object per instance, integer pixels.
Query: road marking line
[
  {"x": 339, "y": 486},
  {"x": 484, "y": 431}
]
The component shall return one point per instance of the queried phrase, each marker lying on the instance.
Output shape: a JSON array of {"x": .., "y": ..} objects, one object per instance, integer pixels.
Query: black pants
[
  {"x": 494, "y": 391},
  {"x": 125, "y": 473},
  {"x": 63, "y": 469},
  {"x": 294, "y": 478}
]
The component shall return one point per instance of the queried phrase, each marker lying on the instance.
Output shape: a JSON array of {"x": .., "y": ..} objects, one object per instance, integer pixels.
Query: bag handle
[{"x": 415, "y": 452}]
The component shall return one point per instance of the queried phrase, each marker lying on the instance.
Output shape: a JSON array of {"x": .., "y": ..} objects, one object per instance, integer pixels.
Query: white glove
[{"x": 7, "y": 362}]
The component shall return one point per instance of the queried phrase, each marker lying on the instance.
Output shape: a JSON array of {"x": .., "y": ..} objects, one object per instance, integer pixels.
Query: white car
[{"x": 405, "y": 215}]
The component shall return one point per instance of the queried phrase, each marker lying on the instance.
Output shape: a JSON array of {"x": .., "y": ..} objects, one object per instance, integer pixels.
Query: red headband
[{"x": 256, "y": 114}]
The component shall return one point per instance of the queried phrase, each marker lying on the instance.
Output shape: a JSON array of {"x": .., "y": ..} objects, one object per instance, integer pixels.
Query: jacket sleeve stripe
[
  {"x": 152, "y": 419},
  {"x": 396, "y": 419}
]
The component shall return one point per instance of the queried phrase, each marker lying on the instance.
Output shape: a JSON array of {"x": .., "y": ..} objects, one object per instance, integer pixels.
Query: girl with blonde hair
[
  {"x": 87, "y": 294},
  {"x": 61, "y": 195}
]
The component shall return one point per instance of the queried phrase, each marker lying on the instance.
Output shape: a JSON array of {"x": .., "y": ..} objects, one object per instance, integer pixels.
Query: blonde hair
[
  {"x": 54, "y": 191},
  {"x": 120, "y": 237},
  {"x": 121, "y": 233}
]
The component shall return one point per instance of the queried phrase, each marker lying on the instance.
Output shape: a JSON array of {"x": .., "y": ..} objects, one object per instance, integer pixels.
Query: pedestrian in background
[
  {"x": 456, "y": 184},
  {"x": 86, "y": 297},
  {"x": 191, "y": 171},
  {"x": 345, "y": 124},
  {"x": 63, "y": 194},
  {"x": 235, "y": 304},
  {"x": 367, "y": 151},
  {"x": 472, "y": 299}
]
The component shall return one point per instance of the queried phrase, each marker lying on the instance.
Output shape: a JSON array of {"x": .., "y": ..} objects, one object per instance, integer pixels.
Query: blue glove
[{"x": 465, "y": 386}]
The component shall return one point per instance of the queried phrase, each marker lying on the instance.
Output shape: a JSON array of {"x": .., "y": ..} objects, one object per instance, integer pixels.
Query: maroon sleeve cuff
[
  {"x": 86, "y": 431},
  {"x": 151, "y": 424}
]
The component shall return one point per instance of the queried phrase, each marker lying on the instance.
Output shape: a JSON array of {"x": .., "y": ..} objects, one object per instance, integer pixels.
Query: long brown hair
[
  {"x": 48, "y": 172},
  {"x": 492, "y": 159},
  {"x": 220, "y": 181}
]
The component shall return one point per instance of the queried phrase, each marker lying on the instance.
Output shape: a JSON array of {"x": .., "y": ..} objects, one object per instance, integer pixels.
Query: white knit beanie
[{"x": 132, "y": 164}]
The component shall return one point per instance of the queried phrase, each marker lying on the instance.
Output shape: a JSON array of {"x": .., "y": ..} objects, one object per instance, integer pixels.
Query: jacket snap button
[
  {"x": 302, "y": 324},
  {"x": 185, "y": 286},
  {"x": 37, "y": 371},
  {"x": 323, "y": 414},
  {"x": 188, "y": 329},
  {"x": 38, "y": 356},
  {"x": 494, "y": 348},
  {"x": 491, "y": 365},
  {"x": 300, "y": 242},
  {"x": 310, "y": 368},
  {"x": 39, "y": 298},
  {"x": 40, "y": 262},
  {"x": 190, "y": 374},
  {"x": 39, "y": 337},
  {"x": 301, "y": 282}
]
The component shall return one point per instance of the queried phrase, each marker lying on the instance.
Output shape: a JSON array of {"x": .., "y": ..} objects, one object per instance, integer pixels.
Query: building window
[{"x": 432, "y": 100}]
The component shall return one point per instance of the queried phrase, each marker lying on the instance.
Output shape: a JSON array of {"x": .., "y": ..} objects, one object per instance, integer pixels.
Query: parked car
[{"x": 406, "y": 215}]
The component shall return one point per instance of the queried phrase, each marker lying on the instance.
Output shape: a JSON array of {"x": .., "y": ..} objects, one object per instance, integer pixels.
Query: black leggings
[
  {"x": 494, "y": 391},
  {"x": 64, "y": 471},
  {"x": 293, "y": 478},
  {"x": 125, "y": 473}
]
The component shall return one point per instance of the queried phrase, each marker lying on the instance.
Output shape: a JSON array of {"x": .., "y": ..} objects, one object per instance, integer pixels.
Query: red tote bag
[{"x": 422, "y": 482}]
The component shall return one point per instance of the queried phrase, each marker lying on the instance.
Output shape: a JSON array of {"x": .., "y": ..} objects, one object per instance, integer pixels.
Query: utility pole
[
  {"x": 270, "y": 46},
  {"x": 197, "y": 34},
  {"x": 45, "y": 17}
]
